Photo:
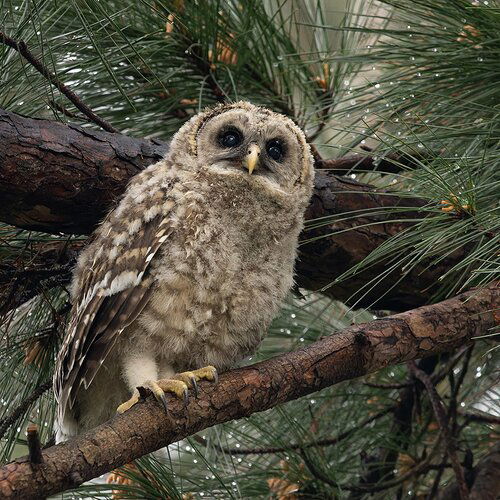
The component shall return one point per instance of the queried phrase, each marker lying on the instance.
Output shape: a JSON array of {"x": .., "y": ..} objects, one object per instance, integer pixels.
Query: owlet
[{"x": 184, "y": 276}]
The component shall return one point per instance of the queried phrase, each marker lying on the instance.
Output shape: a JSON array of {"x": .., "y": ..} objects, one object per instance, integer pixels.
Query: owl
[{"x": 184, "y": 276}]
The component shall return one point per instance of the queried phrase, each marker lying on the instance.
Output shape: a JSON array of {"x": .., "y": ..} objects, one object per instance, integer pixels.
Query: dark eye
[
  {"x": 274, "y": 149},
  {"x": 230, "y": 138}
]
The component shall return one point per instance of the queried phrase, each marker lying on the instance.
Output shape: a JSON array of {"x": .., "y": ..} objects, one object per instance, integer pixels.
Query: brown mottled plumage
[{"x": 191, "y": 266}]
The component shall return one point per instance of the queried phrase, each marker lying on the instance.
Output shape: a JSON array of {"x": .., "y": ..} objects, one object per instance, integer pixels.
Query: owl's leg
[
  {"x": 138, "y": 369},
  {"x": 138, "y": 366}
]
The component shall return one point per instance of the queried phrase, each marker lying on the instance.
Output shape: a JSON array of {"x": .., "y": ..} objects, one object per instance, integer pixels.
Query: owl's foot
[
  {"x": 131, "y": 402},
  {"x": 178, "y": 385},
  {"x": 192, "y": 377},
  {"x": 158, "y": 388}
]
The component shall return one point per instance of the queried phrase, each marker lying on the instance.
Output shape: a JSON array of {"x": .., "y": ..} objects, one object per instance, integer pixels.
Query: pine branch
[
  {"x": 23, "y": 407},
  {"x": 68, "y": 182},
  {"x": 354, "y": 352},
  {"x": 484, "y": 418},
  {"x": 418, "y": 469},
  {"x": 21, "y": 47},
  {"x": 451, "y": 448},
  {"x": 486, "y": 480},
  {"x": 299, "y": 446}
]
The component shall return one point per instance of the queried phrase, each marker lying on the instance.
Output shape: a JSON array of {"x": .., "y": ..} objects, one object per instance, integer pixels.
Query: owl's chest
[{"x": 218, "y": 287}]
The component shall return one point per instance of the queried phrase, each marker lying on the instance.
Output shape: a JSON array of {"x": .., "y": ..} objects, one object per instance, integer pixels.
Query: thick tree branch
[
  {"x": 57, "y": 178},
  {"x": 345, "y": 355}
]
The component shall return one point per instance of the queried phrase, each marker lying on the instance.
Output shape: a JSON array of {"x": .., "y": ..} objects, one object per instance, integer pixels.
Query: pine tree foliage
[{"x": 419, "y": 77}]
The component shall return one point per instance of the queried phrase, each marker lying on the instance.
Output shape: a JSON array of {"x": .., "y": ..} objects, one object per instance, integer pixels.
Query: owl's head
[{"x": 243, "y": 140}]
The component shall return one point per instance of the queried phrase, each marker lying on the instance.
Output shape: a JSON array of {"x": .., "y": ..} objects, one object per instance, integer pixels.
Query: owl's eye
[
  {"x": 274, "y": 149},
  {"x": 230, "y": 138}
]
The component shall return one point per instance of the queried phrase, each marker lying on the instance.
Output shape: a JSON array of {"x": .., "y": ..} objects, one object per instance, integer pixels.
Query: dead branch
[
  {"x": 345, "y": 355},
  {"x": 34, "y": 446},
  {"x": 58, "y": 178}
]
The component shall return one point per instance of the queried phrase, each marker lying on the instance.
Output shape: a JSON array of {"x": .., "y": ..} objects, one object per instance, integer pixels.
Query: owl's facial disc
[{"x": 261, "y": 147}]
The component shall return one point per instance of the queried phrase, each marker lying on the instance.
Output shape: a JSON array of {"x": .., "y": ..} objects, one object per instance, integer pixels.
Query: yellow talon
[
  {"x": 178, "y": 385},
  {"x": 191, "y": 378}
]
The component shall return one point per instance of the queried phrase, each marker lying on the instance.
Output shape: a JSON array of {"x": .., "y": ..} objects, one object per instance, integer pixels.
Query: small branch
[
  {"x": 437, "y": 406},
  {"x": 23, "y": 407},
  {"x": 435, "y": 377},
  {"x": 38, "y": 267},
  {"x": 376, "y": 385},
  {"x": 301, "y": 446},
  {"x": 484, "y": 418},
  {"x": 34, "y": 446},
  {"x": 351, "y": 353},
  {"x": 21, "y": 47},
  {"x": 421, "y": 467},
  {"x": 486, "y": 479},
  {"x": 391, "y": 164}
]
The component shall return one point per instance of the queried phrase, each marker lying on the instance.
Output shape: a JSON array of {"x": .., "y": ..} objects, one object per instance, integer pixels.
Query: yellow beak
[{"x": 252, "y": 157}]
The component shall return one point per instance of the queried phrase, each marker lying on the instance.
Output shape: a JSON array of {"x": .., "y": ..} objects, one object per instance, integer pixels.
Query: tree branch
[
  {"x": 486, "y": 480},
  {"x": 345, "y": 355},
  {"x": 57, "y": 178},
  {"x": 23, "y": 407},
  {"x": 21, "y": 47},
  {"x": 439, "y": 412},
  {"x": 299, "y": 446}
]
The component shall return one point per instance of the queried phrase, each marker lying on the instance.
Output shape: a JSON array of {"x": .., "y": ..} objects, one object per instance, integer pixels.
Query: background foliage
[{"x": 418, "y": 76}]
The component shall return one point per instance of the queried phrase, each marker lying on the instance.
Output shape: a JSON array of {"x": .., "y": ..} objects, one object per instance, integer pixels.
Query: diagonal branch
[
  {"x": 21, "y": 47},
  {"x": 345, "y": 355},
  {"x": 58, "y": 178},
  {"x": 21, "y": 409}
]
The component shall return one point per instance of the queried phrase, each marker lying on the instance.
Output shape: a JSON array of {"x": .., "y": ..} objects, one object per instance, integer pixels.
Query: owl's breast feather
[{"x": 221, "y": 277}]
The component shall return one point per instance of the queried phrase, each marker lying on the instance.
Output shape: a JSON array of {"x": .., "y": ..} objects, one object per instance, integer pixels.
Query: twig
[
  {"x": 34, "y": 446},
  {"x": 21, "y": 47},
  {"x": 298, "y": 446},
  {"x": 421, "y": 467},
  {"x": 20, "y": 409},
  {"x": 437, "y": 406},
  {"x": 475, "y": 416},
  {"x": 376, "y": 385},
  {"x": 63, "y": 110}
]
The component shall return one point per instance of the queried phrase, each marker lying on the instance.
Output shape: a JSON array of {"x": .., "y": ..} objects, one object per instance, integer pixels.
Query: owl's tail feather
[{"x": 65, "y": 428}]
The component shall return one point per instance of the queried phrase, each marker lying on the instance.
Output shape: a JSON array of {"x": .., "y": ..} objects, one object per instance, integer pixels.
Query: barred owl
[{"x": 184, "y": 276}]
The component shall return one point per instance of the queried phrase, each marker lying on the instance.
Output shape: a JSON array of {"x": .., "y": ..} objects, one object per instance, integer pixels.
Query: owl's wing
[{"x": 112, "y": 286}]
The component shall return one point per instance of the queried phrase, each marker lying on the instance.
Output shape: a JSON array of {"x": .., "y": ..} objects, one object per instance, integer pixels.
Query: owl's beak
[{"x": 252, "y": 157}]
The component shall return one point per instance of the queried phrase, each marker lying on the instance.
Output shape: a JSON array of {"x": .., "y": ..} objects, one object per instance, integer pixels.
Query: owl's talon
[
  {"x": 163, "y": 400},
  {"x": 186, "y": 397},
  {"x": 194, "y": 385}
]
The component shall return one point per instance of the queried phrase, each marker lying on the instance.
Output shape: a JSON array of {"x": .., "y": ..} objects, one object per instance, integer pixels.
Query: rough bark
[
  {"x": 59, "y": 178},
  {"x": 354, "y": 352}
]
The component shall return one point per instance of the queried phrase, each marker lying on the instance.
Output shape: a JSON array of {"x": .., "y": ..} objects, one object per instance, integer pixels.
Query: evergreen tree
[{"x": 408, "y": 91}]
